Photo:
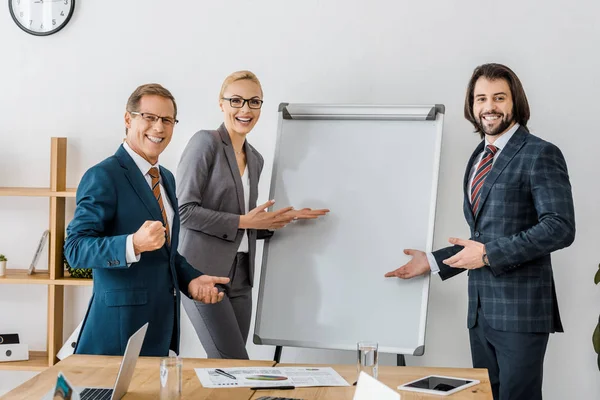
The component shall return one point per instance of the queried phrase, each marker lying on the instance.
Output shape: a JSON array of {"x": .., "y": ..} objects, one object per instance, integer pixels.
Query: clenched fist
[{"x": 150, "y": 236}]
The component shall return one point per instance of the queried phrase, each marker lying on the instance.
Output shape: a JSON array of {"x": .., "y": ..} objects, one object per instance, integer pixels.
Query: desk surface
[
  {"x": 102, "y": 371},
  {"x": 90, "y": 371},
  {"x": 392, "y": 377}
]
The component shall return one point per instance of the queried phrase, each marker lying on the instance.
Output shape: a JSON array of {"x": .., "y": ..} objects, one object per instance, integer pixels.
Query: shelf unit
[
  {"x": 54, "y": 277},
  {"x": 38, "y": 361}
]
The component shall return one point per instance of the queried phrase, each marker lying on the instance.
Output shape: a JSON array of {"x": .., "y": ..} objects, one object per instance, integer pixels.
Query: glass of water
[
  {"x": 170, "y": 378},
  {"x": 368, "y": 358}
]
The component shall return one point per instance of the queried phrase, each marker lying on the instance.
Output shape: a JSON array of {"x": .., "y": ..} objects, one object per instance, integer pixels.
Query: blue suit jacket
[
  {"x": 525, "y": 213},
  {"x": 113, "y": 201}
]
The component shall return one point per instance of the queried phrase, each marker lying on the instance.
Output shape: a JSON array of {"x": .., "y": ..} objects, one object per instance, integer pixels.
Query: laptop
[
  {"x": 368, "y": 388},
  {"x": 64, "y": 390}
]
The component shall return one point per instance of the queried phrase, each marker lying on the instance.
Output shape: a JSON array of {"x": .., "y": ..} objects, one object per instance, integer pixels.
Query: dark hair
[
  {"x": 149, "y": 89},
  {"x": 493, "y": 72}
]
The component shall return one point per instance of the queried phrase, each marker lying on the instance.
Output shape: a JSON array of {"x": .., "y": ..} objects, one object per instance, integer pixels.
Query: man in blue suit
[
  {"x": 125, "y": 228},
  {"x": 519, "y": 207}
]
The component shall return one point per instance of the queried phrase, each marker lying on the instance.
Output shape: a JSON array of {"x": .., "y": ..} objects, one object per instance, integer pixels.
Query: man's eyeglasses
[
  {"x": 152, "y": 118},
  {"x": 238, "y": 102}
]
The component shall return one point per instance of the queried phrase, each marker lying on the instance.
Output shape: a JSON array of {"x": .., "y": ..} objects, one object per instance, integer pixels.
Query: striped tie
[
  {"x": 155, "y": 175},
  {"x": 483, "y": 170}
]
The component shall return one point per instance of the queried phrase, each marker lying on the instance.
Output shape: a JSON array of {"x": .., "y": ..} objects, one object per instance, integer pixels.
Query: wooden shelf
[
  {"x": 38, "y": 361},
  {"x": 68, "y": 281},
  {"x": 37, "y": 192},
  {"x": 54, "y": 278},
  {"x": 19, "y": 276},
  {"x": 40, "y": 277}
]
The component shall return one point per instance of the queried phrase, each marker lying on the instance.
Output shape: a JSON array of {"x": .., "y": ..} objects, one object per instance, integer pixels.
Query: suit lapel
[
  {"x": 508, "y": 153},
  {"x": 252, "y": 165},
  {"x": 468, "y": 209},
  {"x": 235, "y": 171},
  {"x": 138, "y": 182}
]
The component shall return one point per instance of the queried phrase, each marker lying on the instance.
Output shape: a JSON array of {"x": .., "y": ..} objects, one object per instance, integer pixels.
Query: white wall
[{"x": 76, "y": 83}]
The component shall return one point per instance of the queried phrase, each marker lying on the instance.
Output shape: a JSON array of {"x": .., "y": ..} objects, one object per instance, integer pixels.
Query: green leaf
[
  {"x": 596, "y": 339},
  {"x": 597, "y": 277}
]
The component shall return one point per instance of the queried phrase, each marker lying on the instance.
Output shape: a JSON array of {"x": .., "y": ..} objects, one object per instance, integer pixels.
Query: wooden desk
[
  {"x": 392, "y": 377},
  {"x": 102, "y": 371}
]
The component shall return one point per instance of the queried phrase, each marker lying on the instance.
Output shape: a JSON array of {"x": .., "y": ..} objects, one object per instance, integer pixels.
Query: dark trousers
[
  {"x": 223, "y": 327},
  {"x": 514, "y": 360}
]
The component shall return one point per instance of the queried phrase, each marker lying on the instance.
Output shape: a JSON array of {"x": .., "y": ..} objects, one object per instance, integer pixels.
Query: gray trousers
[{"x": 223, "y": 327}]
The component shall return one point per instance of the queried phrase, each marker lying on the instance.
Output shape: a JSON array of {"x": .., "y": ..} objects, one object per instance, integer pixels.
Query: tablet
[{"x": 440, "y": 385}]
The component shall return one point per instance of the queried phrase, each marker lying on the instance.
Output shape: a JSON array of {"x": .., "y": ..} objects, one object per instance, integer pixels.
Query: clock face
[{"x": 41, "y": 17}]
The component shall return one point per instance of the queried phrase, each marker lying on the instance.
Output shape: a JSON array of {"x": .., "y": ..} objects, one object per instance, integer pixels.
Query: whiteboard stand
[
  {"x": 348, "y": 158},
  {"x": 400, "y": 360},
  {"x": 277, "y": 357}
]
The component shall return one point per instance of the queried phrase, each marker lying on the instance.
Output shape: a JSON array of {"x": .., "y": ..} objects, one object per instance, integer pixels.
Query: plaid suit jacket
[{"x": 525, "y": 213}]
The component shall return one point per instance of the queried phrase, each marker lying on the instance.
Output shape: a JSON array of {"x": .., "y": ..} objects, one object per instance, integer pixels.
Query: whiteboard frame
[{"x": 300, "y": 111}]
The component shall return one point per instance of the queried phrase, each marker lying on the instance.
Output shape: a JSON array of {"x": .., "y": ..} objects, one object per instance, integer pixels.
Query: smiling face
[
  {"x": 493, "y": 106},
  {"x": 240, "y": 121},
  {"x": 146, "y": 138}
]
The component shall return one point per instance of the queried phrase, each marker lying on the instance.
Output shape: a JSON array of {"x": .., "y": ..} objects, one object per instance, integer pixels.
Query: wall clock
[{"x": 41, "y": 17}]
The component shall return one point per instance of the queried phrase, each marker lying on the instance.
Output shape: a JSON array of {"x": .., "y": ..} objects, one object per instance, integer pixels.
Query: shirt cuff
[
  {"x": 130, "y": 256},
  {"x": 432, "y": 263}
]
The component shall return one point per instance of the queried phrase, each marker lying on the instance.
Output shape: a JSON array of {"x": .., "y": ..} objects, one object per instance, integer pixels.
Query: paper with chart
[{"x": 270, "y": 376}]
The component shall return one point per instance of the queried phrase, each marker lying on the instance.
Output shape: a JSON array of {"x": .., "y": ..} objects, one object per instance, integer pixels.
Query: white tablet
[{"x": 440, "y": 385}]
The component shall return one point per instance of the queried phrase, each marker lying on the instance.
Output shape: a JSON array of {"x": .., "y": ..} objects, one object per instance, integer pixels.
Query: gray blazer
[{"x": 211, "y": 200}]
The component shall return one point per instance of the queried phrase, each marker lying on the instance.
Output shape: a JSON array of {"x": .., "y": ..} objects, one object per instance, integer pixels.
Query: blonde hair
[{"x": 238, "y": 76}]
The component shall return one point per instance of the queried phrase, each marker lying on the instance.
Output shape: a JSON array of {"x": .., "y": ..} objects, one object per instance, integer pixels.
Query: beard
[{"x": 505, "y": 122}]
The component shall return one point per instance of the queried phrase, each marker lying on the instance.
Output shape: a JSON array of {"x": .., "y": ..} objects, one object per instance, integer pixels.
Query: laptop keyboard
[{"x": 96, "y": 394}]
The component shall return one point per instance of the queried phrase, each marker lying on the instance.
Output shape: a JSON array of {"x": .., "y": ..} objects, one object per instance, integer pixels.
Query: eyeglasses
[
  {"x": 152, "y": 118},
  {"x": 238, "y": 102}
]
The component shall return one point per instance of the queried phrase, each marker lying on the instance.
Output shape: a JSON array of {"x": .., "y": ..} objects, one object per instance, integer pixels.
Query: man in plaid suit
[{"x": 519, "y": 208}]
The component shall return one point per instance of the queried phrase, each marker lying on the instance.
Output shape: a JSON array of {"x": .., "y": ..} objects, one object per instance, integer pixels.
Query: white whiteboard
[{"x": 322, "y": 283}]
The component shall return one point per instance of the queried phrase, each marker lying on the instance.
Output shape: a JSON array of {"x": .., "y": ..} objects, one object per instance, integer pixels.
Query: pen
[
  {"x": 273, "y": 388},
  {"x": 221, "y": 372}
]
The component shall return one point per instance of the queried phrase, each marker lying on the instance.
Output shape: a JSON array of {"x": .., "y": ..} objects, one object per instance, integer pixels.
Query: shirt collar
[
  {"x": 503, "y": 140},
  {"x": 141, "y": 163}
]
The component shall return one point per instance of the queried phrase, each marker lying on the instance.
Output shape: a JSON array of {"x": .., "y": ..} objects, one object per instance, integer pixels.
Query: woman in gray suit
[{"x": 217, "y": 188}]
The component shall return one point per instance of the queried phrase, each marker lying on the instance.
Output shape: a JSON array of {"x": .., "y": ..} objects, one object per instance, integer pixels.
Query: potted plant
[
  {"x": 3, "y": 261},
  {"x": 596, "y": 335},
  {"x": 81, "y": 273}
]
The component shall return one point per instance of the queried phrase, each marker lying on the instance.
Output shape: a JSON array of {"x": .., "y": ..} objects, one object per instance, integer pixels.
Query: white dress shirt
[
  {"x": 246, "y": 184},
  {"x": 499, "y": 143},
  {"x": 144, "y": 167}
]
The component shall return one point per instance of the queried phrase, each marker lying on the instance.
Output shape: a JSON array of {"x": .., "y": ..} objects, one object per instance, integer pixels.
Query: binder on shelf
[
  {"x": 14, "y": 352},
  {"x": 9, "y": 338},
  {"x": 69, "y": 346}
]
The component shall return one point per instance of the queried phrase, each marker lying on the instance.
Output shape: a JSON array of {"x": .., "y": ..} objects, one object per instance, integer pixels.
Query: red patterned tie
[
  {"x": 155, "y": 174},
  {"x": 483, "y": 170}
]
